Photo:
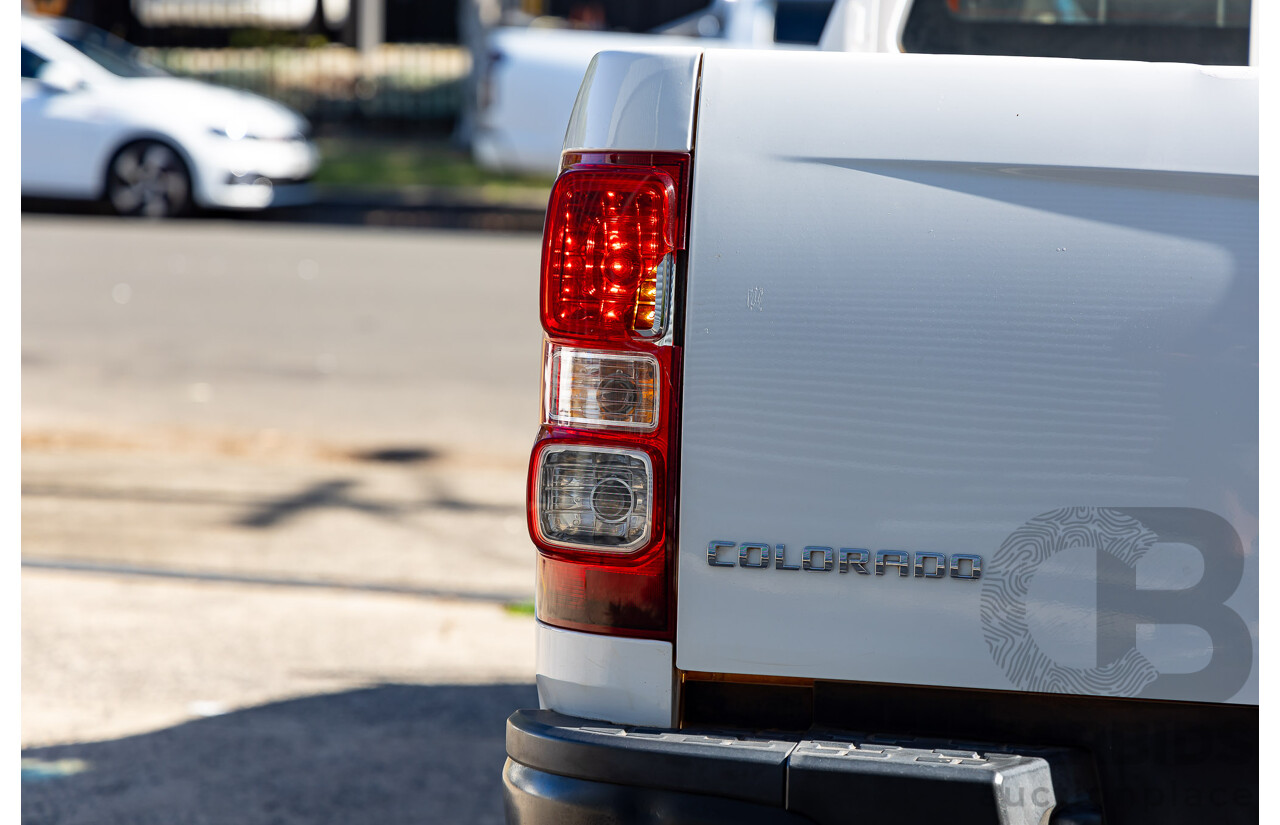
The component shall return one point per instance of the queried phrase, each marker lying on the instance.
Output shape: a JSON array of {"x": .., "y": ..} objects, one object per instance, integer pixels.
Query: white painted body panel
[
  {"x": 533, "y": 88},
  {"x": 641, "y": 101},
  {"x": 931, "y": 299},
  {"x": 69, "y": 137},
  {"x": 624, "y": 681}
]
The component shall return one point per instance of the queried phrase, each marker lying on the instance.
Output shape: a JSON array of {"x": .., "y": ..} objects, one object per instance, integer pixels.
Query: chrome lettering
[
  {"x": 713, "y": 553},
  {"x": 780, "y": 559},
  {"x": 744, "y": 555},
  {"x": 855, "y": 560},
  {"x": 828, "y": 558},
  {"x": 901, "y": 559}
]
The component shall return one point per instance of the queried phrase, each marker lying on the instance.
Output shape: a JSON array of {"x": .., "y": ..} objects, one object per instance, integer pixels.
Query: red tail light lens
[
  {"x": 608, "y": 252},
  {"x": 602, "y": 475},
  {"x": 604, "y": 598}
]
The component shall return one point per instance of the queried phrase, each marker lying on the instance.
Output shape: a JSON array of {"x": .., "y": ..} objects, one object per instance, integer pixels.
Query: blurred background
[{"x": 280, "y": 360}]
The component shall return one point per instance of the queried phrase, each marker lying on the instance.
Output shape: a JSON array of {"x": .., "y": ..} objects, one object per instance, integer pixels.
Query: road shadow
[
  {"x": 399, "y": 454},
  {"x": 323, "y": 495},
  {"x": 389, "y": 754}
]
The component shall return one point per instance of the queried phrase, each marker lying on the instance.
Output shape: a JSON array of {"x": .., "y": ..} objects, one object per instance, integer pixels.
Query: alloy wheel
[{"x": 148, "y": 178}]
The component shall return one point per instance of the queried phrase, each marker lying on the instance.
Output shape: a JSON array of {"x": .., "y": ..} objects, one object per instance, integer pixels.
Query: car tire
[{"x": 148, "y": 178}]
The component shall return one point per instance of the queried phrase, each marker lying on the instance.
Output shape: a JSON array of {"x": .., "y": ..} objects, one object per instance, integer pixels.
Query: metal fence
[
  {"x": 338, "y": 61},
  {"x": 332, "y": 83},
  {"x": 302, "y": 53},
  {"x": 217, "y": 23}
]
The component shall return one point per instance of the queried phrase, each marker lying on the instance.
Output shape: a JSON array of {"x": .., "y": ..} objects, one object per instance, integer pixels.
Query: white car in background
[
  {"x": 529, "y": 76},
  {"x": 98, "y": 123}
]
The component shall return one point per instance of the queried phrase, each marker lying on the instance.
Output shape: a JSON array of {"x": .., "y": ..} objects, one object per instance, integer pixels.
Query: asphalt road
[
  {"x": 379, "y": 337},
  {"x": 274, "y": 551}
]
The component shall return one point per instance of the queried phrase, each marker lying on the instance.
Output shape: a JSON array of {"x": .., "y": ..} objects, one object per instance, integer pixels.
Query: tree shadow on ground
[
  {"x": 386, "y": 755},
  {"x": 339, "y": 493}
]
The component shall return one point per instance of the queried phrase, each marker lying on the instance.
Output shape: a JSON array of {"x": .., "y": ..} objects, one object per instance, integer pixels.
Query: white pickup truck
[{"x": 899, "y": 455}]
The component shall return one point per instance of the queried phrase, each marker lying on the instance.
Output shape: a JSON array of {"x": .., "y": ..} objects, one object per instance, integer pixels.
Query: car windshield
[{"x": 108, "y": 51}]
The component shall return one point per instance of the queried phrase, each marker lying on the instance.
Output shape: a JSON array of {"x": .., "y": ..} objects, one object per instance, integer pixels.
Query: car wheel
[{"x": 149, "y": 179}]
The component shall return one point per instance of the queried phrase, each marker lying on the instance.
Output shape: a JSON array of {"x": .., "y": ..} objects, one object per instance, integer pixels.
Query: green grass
[
  {"x": 519, "y": 608},
  {"x": 404, "y": 162}
]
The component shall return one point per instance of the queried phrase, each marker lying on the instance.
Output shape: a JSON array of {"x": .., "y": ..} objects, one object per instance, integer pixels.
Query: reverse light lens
[
  {"x": 608, "y": 253},
  {"x": 594, "y": 498},
  {"x": 604, "y": 390}
]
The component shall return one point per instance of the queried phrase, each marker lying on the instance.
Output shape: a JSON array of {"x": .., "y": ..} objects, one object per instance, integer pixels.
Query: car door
[{"x": 63, "y": 133}]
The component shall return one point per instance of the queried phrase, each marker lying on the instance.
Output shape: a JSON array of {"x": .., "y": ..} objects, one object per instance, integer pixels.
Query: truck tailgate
[{"x": 996, "y": 317}]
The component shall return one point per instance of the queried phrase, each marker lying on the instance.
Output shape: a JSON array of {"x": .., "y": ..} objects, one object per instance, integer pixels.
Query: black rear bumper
[
  {"x": 535, "y": 797},
  {"x": 563, "y": 769}
]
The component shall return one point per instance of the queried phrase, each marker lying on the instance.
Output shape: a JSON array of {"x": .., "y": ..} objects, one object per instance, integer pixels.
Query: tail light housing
[{"x": 601, "y": 490}]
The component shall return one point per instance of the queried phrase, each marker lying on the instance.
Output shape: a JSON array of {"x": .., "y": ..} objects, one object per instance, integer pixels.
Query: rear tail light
[
  {"x": 601, "y": 477},
  {"x": 608, "y": 255}
]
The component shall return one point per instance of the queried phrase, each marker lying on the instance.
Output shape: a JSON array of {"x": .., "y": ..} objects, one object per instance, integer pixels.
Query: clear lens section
[
  {"x": 594, "y": 498},
  {"x": 608, "y": 390}
]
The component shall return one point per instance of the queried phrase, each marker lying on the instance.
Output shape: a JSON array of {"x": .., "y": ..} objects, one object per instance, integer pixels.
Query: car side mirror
[{"x": 61, "y": 77}]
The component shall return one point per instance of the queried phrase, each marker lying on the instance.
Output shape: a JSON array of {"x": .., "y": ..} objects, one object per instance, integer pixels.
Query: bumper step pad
[{"x": 816, "y": 776}]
